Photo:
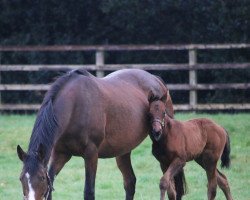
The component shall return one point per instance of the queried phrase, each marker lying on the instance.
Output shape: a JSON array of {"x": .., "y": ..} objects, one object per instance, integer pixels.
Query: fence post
[
  {"x": 192, "y": 78},
  {"x": 0, "y": 79},
  {"x": 99, "y": 61}
]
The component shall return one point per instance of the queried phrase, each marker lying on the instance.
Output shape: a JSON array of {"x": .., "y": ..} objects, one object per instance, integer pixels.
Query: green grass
[{"x": 16, "y": 129}]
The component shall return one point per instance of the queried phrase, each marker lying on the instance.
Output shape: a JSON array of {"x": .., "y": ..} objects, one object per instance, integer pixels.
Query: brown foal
[{"x": 175, "y": 143}]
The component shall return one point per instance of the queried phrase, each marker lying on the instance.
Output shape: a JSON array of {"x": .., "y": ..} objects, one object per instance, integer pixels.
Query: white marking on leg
[{"x": 31, "y": 195}]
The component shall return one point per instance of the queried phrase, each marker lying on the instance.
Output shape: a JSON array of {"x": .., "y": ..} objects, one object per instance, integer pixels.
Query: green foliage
[
  {"x": 16, "y": 129},
  {"x": 51, "y": 22},
  {"x": 116, "y": 22}
]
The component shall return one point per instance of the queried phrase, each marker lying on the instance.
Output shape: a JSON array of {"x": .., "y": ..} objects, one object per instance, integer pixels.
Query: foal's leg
[
  {"x": 210, "y": 167},
  {"x": 57, "y": 162},
  {"x": 91, "y": 159},
  {"x": 124, "y": 164},
  {"x": 209, "y": 164},
  {"x": 223, "y": 184},
  {"x": 212, "y": 183},
  {"x": 178, "y": 179},
  {"x": 167, "y": 181}
]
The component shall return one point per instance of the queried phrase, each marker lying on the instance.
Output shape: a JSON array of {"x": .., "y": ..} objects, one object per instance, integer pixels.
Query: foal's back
[{"x": 203, "y": 135}]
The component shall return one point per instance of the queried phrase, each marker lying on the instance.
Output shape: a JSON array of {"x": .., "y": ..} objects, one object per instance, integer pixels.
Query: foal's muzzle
[
  {"x": 157, "y": 127},
  {"x": 156, "y": 135}
]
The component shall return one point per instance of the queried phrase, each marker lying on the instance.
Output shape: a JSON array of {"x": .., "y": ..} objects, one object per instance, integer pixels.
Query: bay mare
[
  {"x": 175, "y": 143},
  {"x": 82, "y": 115}
]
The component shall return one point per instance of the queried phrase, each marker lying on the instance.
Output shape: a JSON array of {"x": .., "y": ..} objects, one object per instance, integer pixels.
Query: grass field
[{"x": 16, "y": 129}]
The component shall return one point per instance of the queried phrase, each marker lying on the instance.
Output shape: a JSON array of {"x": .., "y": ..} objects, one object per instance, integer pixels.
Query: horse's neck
[
  {"x": 43, "y": 137},
  {"x": 34, "y": 150}
]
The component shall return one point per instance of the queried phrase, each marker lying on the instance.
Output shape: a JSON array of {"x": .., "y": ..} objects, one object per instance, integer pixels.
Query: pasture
[{"x": 16, "y": 129}]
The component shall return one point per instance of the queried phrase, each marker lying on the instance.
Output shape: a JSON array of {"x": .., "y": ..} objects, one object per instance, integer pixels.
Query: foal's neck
[{"x": 168, "y": 123}]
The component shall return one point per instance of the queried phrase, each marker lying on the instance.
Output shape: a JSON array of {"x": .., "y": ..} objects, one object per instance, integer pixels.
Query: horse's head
[
  {"x": 157, "y": 114},
  {"x": 34, "y": 176}
]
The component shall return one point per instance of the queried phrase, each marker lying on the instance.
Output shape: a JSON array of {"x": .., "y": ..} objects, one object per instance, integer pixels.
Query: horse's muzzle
[{"x": 156, "y": 135}]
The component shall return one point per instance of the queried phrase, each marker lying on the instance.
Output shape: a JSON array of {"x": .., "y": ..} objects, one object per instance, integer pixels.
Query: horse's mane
[
  {"x": 46, "y": 124},
  {"x": 154, "y": 98},
  {"x": 160, "y": 79}
]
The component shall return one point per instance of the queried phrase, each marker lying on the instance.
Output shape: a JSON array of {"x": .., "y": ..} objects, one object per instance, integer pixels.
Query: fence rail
[
  {"x": 124, "y": 47},
  {"x": 100, "y": 67},
  {"x": 222, "y": 86},
  {"x": 104, "y": 67}
]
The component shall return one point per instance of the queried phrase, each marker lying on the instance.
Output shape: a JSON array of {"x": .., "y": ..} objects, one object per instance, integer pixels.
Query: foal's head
[
  {"x": 34, "y": 177},
  {"x": 157, "y": 114}
]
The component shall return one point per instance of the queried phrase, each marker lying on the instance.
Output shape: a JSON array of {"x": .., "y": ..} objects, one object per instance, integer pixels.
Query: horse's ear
[
  {"x": 21, "y": 154},
  {"x": 151, "y": 96},
  {"x": 164, "y": 97},
  {"x": 41, "y": 152}
]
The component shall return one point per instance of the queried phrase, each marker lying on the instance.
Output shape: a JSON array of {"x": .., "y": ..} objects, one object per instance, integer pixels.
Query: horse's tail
[
  {"x": 180, "y": 184},
  {"x": 225, "y": 158}
]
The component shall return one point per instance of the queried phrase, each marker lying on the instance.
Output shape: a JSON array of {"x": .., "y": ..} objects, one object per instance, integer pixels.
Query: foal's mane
[{"x": 46, "y": 123}]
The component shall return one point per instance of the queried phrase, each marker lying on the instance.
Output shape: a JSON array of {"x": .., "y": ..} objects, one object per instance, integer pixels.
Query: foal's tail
[
  {"x": 225, "y": 158},
  {"x": 180, "y": 185}
]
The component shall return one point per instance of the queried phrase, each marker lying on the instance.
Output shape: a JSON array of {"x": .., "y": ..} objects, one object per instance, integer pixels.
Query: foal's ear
[
  {"x": 21, "y": 154},
  {"x": 151, "y": 96},
  {"x": 41, "y": 152},
  {"x": 164, "y": 97}
]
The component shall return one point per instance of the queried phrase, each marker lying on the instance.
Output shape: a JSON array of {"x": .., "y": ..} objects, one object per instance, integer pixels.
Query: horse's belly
[
  {"x": 108, "y": 151},
  {"x": 116, "y": 147},
  {"x": 126, "y": 126}
]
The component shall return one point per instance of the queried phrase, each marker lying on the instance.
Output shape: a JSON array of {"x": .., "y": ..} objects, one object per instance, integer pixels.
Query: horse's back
[
  {"x": 138, "y": 78},
  {"x": 143, "y": 81}
]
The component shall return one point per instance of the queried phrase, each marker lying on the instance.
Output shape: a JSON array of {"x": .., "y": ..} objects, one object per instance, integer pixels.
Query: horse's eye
[{"x": 42, "y": 178}]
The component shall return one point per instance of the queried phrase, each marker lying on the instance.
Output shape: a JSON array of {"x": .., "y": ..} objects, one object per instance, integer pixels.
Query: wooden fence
[{"x": 99, "y": 66}]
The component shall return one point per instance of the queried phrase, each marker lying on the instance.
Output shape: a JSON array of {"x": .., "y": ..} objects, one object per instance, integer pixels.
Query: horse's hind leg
[
  {"x": 223, "y": 184},
  {"x": 124, "y": 164},
  {"x": 167, "y": 181}
]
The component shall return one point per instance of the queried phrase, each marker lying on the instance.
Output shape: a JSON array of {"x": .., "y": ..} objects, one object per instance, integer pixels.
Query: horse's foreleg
[
  {"x": 124, "y": 164},
  {"x": 91, "y": 159},
  {"x": 167, "y": 181},
  {"x": 223, "y": 184},
  {"x": 57, "y": 161}
]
